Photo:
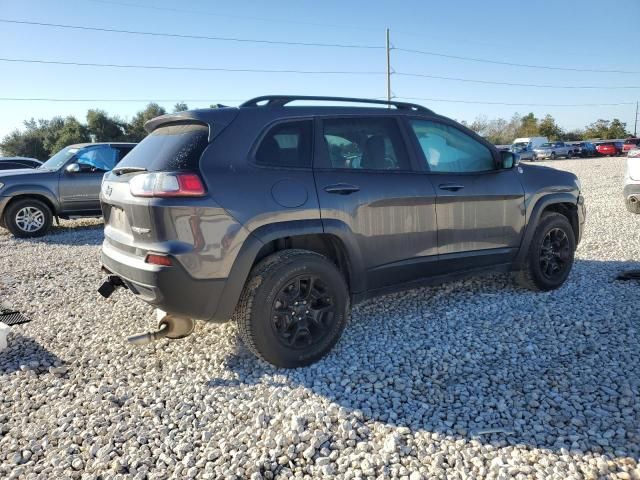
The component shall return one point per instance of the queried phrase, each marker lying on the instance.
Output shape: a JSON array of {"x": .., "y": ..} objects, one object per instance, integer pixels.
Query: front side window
[
  {"x": 97, "y": 159},
  {"x": 447, "y": 149},
  {"x": 365, "y": 143},
  {"x": 286, "y": 145}
]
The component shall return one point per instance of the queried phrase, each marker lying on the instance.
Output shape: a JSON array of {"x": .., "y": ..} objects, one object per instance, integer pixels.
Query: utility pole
[
  {"x": 388, "y": 69},
  {"x": 635, "y": 127}
]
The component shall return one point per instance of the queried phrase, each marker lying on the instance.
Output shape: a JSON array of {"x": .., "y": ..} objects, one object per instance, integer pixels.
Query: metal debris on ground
[{"x": 11, "y": 317}]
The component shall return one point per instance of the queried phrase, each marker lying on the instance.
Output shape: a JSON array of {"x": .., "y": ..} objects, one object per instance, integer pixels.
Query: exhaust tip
[{"x": 169, "y": 326}]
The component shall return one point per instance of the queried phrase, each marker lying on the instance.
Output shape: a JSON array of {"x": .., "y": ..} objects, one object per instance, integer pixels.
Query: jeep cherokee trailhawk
[{"x": 280, "y": 217}]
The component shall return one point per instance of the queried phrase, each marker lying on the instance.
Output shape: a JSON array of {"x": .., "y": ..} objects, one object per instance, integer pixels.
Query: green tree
[
  {"x": 135, "y": 129},
  {"x": 66, "y": 132},
  {"x": 104, "y": 127},
  {"x": 28, "y": 143},
  {"x": 549, "y": 128},
  {"x": 180, "y": 107},
  {"x": 528, "y": 126},
  {"x": 618, "y": 129},
  {"x": 574, "y": 135}
]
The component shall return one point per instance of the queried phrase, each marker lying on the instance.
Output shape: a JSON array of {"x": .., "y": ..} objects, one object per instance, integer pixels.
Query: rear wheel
[
  {"x": 550, "y": 256},
  {"x": 28, "y": 218},
  {"x": 293, "y": 309}
]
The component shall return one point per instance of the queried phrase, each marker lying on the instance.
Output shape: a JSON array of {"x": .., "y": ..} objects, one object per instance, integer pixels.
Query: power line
[
  {"x": 302, "y": 72},
  {"x": 511, "y": 64},
  {"x": 535, "y": 85},
  {"x": 197, "y": 69},
  {"x": 211, "y": 100},
  {"x": 448, "y": 100},
  {"x": 187, "y": 36}
]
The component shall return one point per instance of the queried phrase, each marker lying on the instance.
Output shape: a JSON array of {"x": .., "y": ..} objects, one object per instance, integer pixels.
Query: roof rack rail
[{"x": 282, "y": 100}]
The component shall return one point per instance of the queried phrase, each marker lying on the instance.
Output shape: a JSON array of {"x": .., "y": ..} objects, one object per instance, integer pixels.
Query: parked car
[
  {"x": 609, "y": 149},
  {"x": 525, "y": 146},
  {"x": 632, "y": 181},
  {"x": 583, "y": 149},
  {"x": 630, "y": 144},
  {"x": 16, "y": 163},
  {"x": 239, "y": 213},
  {"x": 67, "y": 185},
  {"x": 552, "y": 150}
]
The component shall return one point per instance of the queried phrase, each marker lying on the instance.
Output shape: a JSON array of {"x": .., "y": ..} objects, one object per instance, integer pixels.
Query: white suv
[{"x": 632, "y": 181}]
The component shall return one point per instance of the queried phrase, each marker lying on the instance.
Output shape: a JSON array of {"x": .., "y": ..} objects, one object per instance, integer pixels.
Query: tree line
[
  {"x": 42, "y": 138},
  {"x": 501, "y": 132}
]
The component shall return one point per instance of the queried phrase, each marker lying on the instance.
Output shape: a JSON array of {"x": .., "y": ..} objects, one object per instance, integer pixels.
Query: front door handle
[
  {"x": 342, "y": 189},
  {"x": 452, "y": 187}
]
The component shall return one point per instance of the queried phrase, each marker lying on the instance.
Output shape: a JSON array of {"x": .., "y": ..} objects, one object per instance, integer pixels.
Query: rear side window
[
  {"x": 171, "y": 147},
  {"x": 286, "y": 145},
  {"x": 365, "y": 144},
  {"x": 9, "y": 165}
]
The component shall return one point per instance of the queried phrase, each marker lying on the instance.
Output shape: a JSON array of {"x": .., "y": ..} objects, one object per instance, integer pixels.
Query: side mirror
[
  {"x": 509, "y": 160},
  {"x": 73, "y": 168}
]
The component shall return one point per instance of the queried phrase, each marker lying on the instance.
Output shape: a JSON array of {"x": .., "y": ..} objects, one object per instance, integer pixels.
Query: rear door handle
[
  {"x": 342, "y": 189},
  {"x": 452, "y": 187}
]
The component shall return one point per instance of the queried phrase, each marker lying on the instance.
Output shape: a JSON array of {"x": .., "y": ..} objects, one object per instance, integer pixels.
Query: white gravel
[{"x": 473, "y": 379}]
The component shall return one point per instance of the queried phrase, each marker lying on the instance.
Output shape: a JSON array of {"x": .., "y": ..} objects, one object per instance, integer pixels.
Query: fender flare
[
  {"x": 258, "y": 238},
  {"x": 33, "y": 190},
  {"x": 534, "y": 218}
]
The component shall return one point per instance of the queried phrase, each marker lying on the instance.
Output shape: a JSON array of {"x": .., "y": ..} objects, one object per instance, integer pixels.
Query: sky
[{"x": 583, "y": 34}]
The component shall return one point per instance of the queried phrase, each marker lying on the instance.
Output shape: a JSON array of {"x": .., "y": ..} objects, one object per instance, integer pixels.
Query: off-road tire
[
  {"x": 253, "y": 314},
  {"x": 531, "y": 276},
  {"x": 17, "y": 205},
  {"x": 633, "y": 207}
]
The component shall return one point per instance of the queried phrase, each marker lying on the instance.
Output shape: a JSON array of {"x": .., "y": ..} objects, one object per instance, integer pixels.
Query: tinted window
[
  {"x": 97, "y": 159},
  {"x": 365, "y": 143},
  {"x": 447, "y": 149},
  {"x": 286, "y": 145},
  {"x": 9, "y": 165},
  {"x": 172, "y": 147}
]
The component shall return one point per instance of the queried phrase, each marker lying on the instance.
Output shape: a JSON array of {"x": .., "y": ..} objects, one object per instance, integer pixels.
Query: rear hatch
[{"x": 162, "y": 161}]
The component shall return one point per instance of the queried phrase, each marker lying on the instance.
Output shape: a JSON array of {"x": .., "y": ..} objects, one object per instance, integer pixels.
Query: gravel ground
[{"x": 473, "y": 379}]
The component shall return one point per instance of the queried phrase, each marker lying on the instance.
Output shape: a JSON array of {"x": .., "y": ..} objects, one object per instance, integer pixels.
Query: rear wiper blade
[{"x": 121, "y": 170}]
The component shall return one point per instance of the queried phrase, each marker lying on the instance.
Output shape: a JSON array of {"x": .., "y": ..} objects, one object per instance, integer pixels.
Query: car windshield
[
  {"x": 59, "y": 159},
  {"x": 545, "y": 145}
]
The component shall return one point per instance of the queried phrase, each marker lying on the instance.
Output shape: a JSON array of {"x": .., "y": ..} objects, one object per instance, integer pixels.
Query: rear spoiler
[{"x": 220, "y": 117}]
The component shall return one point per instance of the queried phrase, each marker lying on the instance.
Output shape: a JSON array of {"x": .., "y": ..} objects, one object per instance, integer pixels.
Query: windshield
[
  {"x": 520, "y": 145},
  {"x": 545, "y": 145},
  {"x": 59, "y": 159}
]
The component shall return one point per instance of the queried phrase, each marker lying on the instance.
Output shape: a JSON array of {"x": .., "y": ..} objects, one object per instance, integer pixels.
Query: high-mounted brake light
[{"x": 166, "y": 184}]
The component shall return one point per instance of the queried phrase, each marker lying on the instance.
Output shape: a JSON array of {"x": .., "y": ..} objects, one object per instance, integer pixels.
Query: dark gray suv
[
  {"x": 281, "y": 217},
  {"x": 67, "y": 185}
]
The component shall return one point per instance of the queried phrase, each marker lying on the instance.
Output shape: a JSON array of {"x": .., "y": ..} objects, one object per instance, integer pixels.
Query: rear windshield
[
  {"x": 172, "y": 147},
  {"x": 632, "y": 141}
]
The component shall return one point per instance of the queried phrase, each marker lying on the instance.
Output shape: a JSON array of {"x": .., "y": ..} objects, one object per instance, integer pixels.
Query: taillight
[
  {"x": 166, "y": 184},
  {"x": 155, "y": 259}
]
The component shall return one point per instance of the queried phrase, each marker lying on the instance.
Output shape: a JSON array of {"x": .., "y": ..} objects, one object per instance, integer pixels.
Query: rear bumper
[{"x": 170, "y": 289}]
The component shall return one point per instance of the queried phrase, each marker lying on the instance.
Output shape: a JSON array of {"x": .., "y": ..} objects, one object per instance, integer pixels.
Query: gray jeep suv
[
  {"x": 67, "y": 185},
  {"x": 281, "y": 217}
]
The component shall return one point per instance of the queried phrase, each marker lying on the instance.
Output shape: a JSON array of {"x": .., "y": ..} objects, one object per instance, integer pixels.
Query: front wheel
[
  {"x": 550, "y": 256},
  {"x": 553, "y": 156},
  {"x": 293, "y": 309},
  {"x": 28, "y": 218}
]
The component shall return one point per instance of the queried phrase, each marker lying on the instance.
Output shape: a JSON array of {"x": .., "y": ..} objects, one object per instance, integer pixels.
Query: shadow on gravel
[
  {"x": 25, "y": 351},
  {"x": 557, "y": 370}
]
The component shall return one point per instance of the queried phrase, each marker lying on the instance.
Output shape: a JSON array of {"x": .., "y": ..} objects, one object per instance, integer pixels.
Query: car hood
[
  {"x": 25, "y": 174},
  {"x": 549, "y": 178}
]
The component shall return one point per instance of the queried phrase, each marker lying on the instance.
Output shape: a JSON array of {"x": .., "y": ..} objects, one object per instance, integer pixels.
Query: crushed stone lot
[{"x": 472, "y": 379}]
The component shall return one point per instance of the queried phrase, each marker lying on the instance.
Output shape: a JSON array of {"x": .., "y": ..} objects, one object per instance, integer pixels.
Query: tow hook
[
  {"x": 110, "y": 284},
  {"x": 169, "y": 326}
]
